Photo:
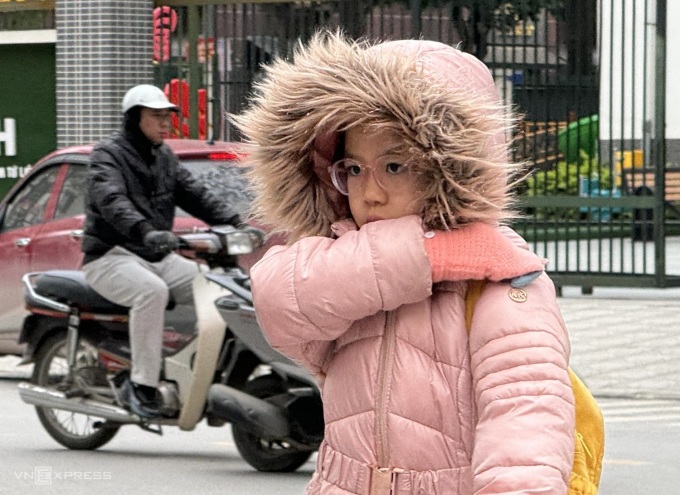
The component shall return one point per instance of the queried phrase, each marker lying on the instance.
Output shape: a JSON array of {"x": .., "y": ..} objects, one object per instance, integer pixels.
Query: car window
[
  {"x": 226, "y": 180},
  {"x": 72, "y": 196},
  {"x": 27, "y": 207}
]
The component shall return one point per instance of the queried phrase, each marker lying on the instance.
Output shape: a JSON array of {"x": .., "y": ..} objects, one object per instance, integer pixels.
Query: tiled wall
[{"x": 103, "y": 48}]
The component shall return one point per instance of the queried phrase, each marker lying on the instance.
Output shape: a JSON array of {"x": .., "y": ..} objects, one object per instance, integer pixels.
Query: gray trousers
[{"x": 126, "y": 279}]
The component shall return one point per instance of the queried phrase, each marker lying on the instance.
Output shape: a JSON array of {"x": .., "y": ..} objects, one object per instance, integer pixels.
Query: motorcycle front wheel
[
  {"x": 73, "y": 430},
  {"x": 267, "y": 455}
]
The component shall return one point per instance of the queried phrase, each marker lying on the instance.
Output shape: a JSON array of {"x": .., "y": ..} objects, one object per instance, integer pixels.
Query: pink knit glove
[{"x": 478, "y": 252}]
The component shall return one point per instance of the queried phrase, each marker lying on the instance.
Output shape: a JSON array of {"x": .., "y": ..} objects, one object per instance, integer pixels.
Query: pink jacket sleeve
[
  {"x": 524, "y": 441},
  {"x": 307, "y": 295}
]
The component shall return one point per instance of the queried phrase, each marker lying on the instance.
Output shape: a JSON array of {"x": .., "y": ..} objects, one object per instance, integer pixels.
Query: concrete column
[{"x": 103, "y": 48}]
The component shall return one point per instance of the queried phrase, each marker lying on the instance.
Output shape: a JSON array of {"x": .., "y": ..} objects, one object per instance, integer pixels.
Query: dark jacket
[{"x": 133, "y": 188}]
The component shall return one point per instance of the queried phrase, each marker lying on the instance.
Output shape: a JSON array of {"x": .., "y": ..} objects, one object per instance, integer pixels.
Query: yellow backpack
[{"x": 589, "y": 444}]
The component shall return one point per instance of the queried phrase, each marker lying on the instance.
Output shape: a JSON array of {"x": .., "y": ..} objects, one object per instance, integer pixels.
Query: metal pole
[
  {"x": 215, "y": 101},
  {"x": 194, "y": 72},
  {"x": 660, "y": 144},
  {"x": 416, "y": 17}
]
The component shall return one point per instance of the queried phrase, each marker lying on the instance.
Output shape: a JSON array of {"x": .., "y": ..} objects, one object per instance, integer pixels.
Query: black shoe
[{"x": 144, "y": 401}]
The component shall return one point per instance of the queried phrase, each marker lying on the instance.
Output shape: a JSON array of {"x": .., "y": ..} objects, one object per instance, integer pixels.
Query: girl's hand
[{"x": 478, "y": 252}]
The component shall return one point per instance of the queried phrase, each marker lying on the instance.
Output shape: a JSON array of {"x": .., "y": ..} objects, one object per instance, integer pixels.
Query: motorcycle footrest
[{"x": 151, "y": 427}]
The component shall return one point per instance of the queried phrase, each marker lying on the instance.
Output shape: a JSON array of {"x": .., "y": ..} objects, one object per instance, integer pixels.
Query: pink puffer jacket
[{"x": 410, "y": 402}]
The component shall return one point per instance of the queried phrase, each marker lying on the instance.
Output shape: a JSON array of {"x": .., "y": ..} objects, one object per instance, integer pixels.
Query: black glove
[{"x": 161, "y": 241}]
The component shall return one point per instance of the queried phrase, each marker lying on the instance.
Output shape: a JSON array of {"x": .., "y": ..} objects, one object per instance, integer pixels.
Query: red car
[{"x": 42, "y": 217}]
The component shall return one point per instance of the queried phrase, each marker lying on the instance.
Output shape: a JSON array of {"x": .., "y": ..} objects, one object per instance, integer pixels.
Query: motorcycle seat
[{"x": 70, "y": 287}]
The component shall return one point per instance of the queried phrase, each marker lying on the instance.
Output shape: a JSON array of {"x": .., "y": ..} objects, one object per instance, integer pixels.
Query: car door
[
  {"x": 24, "y": 213},
  {"x": 58, "y": 242}
]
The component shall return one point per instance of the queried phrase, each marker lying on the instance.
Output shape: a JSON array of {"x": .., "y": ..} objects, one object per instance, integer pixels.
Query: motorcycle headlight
[{"x": 239, "y": 242}]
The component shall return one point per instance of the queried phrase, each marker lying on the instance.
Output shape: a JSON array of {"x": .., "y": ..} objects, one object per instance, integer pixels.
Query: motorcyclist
[{"x": 134, "y": 184}]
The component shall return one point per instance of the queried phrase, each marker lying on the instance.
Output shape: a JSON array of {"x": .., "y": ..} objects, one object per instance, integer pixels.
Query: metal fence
[{"x": 587, "y": 79}]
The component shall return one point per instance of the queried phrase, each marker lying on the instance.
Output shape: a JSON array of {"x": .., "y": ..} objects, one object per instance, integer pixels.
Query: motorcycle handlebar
[{"x": 220, "y": 244}]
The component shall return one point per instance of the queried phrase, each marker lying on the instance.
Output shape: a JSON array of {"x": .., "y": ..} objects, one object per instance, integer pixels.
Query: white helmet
[{"x": 146, "y": 95}]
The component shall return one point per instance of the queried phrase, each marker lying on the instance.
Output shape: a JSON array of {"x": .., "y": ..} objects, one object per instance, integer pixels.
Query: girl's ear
[
  {"x": 323, "y": 153},
  {"x": 326, "y": 146}
]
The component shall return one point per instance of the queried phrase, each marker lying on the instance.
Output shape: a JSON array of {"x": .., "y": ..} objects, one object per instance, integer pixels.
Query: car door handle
[
  {"x": 77, "y": 234},
  {"x": 22, "y": 242}
]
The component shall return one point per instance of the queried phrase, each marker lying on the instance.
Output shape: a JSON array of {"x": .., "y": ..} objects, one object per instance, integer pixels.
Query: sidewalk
[
  {"x": 625, "y": 342},
  {"x": 9, "y": 368}
]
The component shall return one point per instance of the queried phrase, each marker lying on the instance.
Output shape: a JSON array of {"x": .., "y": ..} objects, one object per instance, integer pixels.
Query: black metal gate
[{"x": 587, "y": 77}]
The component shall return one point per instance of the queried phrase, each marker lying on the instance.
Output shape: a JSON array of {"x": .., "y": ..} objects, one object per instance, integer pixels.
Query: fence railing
[{"x": 587, "y": 79}]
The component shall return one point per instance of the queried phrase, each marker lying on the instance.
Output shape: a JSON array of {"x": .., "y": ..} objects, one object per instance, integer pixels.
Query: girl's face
[{"x": 378, "y": 179}]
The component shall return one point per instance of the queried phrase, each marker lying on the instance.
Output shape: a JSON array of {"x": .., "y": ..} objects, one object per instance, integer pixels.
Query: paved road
[{"x": 651, "y": 412}]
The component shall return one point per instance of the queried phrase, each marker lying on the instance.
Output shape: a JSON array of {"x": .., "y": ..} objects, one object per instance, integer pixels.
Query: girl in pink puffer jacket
[{"x": 387, "y": 167}]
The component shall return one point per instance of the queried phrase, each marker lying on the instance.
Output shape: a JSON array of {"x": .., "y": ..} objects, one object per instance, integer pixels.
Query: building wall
[
  {"x": 628, "y": 40},
  {"x": 103, "y": 48},
  {"x": 27, "y": 102}
]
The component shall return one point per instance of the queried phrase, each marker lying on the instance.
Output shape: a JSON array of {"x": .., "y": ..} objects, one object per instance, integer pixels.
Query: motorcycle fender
[
  {"x": 211, "y": 331},
  {"x": 34, "y": 330}
]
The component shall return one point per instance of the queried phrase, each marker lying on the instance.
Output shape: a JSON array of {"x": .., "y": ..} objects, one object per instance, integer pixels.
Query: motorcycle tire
[
  {"x": 267, "y": 455},
  {"x": 72, "y": 430}
]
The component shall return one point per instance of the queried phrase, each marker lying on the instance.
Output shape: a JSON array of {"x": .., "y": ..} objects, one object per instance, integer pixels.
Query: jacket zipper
[{"x": 384, "y": 382}]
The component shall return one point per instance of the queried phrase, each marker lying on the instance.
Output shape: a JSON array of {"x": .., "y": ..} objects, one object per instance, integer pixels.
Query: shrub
[{"x": 563, "y": 179}]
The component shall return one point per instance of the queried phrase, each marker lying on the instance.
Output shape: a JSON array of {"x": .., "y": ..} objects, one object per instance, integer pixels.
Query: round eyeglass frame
[{"x": 341, "y": 185}]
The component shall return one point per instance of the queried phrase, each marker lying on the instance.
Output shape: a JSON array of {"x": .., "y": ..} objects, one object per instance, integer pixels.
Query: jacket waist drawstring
[
  {"x": 384, "y": 481},
  {"x": 354, "y": 476}
]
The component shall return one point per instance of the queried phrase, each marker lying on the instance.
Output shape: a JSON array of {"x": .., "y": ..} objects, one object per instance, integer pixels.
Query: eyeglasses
[
  {"x": 348, "y": 174},
  {"x": 161, "y": 115}
]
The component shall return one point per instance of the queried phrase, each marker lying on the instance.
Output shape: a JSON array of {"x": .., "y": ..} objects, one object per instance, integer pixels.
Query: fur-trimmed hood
[{"x": 442, "y": 100}]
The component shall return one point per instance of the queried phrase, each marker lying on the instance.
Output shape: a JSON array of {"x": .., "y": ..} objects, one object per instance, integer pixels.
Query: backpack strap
[{"x": 474, "y": 292}]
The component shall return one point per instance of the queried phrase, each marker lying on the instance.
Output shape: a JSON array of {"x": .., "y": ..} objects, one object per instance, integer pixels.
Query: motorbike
[{"x": 217, "y": 365}]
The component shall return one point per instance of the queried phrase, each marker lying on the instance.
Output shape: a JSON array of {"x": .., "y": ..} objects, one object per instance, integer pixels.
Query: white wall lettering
[
  {"x": 9, "y": 136},
  {"x": 14, "y": 171}
]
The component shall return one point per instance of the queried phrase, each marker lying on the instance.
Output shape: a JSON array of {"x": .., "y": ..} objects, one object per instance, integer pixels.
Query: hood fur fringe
[{"x": 455, "y": 127}]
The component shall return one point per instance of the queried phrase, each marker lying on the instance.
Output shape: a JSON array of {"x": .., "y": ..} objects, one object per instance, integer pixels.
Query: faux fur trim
[{"x": 443, "y": 101}]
